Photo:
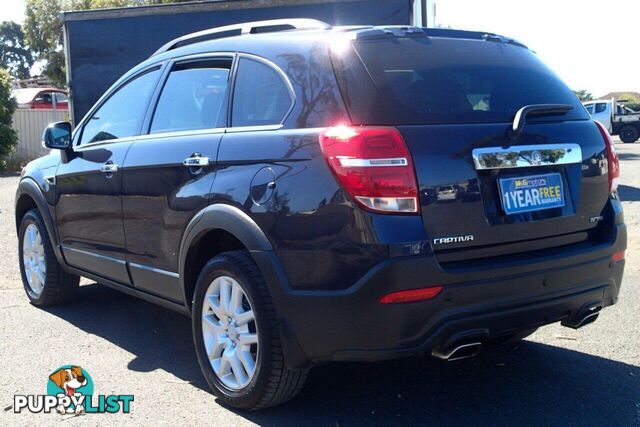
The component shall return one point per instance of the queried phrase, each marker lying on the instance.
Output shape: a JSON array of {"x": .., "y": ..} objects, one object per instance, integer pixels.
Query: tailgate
[{"x": 492, "y": 200}]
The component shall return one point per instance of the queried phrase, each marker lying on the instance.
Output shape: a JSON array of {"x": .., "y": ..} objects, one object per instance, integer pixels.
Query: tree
[
  {"x": 8, "y": 135},
  {"x": 44, "y": 32},
  {"x": 583, "y": 95},
  {"x": 14, "y": 54}
]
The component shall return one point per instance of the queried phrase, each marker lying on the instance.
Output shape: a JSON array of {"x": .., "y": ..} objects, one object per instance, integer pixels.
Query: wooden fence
[{"x": 30, "y": 124}]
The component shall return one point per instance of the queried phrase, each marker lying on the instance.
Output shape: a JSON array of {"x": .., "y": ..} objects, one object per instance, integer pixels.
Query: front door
[
  {"x": 169, "y": 172},
  {"x": 89, "y": 181}
]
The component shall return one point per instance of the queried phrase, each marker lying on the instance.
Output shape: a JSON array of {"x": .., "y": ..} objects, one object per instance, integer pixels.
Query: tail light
[
  {"x": 374, "y": 166},
  {"x": 612, "y": 156}
]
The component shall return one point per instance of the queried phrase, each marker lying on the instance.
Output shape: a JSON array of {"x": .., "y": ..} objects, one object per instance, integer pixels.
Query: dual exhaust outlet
[{"x": 467, "y": 344}]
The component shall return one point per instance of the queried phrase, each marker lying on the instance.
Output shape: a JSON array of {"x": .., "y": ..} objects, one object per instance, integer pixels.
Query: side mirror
[{"x": 57, "y": 136}]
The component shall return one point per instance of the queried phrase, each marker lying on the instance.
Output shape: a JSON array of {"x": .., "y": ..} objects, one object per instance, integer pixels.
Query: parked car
[
  {"x": 617, "y": 118},
  {"x": 41, "y": 98},
  {"x": 277, "y": 182}
]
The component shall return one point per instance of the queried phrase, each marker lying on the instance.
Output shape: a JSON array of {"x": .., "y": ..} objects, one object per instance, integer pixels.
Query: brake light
[
  {"x": 612, "y": 156},
  {"x": 411, "y": 295},
  {"x": 373, "y": 165}
]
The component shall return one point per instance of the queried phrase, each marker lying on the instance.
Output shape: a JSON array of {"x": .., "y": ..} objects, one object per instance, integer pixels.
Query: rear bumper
[{"x": 485, "y": 302}]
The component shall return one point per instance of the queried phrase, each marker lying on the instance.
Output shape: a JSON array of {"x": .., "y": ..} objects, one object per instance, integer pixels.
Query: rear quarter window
[
  {"x": 261, "y": 96},
  {"x": 440, "y": 81}
]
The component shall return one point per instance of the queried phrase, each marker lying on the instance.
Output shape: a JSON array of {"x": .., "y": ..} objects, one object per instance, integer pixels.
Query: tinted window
[
  {"x": 261, "y": 96},
  {"x": 122, "y": 114},
  {"x": 589, "y": 108},
  {"x": 600, "y": 107},
  {"x": 440, "y": 80},
  {"x": 193, "y": 97}
]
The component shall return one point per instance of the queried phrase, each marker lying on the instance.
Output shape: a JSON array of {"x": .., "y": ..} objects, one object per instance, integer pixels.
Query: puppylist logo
[{"x": 70, "y": 391}]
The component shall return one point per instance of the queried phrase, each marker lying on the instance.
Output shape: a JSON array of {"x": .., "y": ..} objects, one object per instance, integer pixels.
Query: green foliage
[
  {"x": 42, "y": 27},
  {"x": 14, "y": 54},
  {"x": 8, "y": 135},
  {"x": 583, "y": 95},
  {"x": 55, "y": 69},
  {"x": 44, "y": 33},
  {"x": 628, "y": 97}
]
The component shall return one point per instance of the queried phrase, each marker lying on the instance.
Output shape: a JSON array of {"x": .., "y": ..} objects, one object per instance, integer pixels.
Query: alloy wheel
[
  {"x": 33, "y": 258},
  {"x": 229, "y": 332}
]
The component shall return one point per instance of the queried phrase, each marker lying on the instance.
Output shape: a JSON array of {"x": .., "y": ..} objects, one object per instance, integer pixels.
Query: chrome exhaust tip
[
  {"x": 463, "y": 351},
  {"x": 585, "y": 316}
]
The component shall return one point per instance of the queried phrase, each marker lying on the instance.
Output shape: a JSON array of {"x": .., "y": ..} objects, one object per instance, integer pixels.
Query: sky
[
  {"x": 591, "y": 44},
  {"x": 12, "y": 10}
]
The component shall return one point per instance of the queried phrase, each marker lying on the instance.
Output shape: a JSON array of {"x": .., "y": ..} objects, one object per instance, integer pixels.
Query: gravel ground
[{"x": 557, "y": 376}]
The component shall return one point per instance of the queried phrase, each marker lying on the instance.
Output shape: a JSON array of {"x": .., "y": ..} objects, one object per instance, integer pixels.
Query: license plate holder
[{"x": 531, "y": 193}]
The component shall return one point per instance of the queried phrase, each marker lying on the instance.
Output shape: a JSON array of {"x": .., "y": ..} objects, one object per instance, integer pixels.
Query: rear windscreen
[{"x": 445, "y": 81}]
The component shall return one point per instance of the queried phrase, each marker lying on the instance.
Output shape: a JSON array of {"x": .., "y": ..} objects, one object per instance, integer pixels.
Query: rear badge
[{"x": 453, "y": 239}]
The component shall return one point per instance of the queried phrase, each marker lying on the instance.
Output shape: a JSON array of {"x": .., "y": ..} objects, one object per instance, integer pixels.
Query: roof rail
[{"x": 244, "y": 28}]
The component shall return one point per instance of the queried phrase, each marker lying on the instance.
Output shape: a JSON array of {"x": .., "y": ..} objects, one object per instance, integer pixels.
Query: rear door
[
  {"x": 454, "y": 101},
  {"x": 169, "y": 172},
  {"x": 89, "y": 181}
]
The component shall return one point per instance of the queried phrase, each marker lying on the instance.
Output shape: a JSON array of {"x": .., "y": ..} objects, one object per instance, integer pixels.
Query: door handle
[
  {"x": 109, "y": 168},
  {"x": 196, "y": 161}
]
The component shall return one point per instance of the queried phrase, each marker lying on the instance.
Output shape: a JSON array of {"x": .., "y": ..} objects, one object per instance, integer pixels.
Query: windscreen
[{"x": 403, "y": 81}]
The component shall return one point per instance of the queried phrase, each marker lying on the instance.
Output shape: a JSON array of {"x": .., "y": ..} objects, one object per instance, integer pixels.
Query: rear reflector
[
  {"x": 612, "y": 156},
  {"x": 373, "y": 165},
  {"x": 411, "y": 295},
  {"x": 618, "y": 256}
]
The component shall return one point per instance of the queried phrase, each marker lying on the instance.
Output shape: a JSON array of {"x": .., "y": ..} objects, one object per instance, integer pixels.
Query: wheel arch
[
  {"x": 237, "y": 230},
  {"x": 29, "y": 196},
  {"x": 215, "y": 229}
]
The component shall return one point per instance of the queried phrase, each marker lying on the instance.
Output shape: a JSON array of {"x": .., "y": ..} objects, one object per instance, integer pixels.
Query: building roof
[{"x": 627, "y": 96}]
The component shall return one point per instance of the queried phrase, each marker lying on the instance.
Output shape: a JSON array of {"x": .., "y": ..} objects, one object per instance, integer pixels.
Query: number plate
[{"x": 531, "y": 193}]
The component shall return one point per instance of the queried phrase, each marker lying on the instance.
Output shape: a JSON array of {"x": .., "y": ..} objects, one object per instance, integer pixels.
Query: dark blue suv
[{"x": 309, "y": 194}]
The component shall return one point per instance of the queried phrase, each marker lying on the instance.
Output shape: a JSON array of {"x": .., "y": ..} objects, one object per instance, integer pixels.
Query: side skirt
[{"x": 180, "y": 308}]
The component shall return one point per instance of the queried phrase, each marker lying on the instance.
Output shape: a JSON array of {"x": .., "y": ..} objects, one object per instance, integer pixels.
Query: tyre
[
  {"x": 45, "y": 281},
  {"x": 236, "y": 335},
  {"x": 629, "y": 134}
]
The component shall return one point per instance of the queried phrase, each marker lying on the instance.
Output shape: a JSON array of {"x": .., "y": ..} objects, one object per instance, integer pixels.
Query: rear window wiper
[{"x": 536, "y": 110}]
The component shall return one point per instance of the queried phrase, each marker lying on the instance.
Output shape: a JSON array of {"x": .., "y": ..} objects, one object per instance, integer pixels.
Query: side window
[
  {"x": 193, "y": 97},
  {"x": 600, "y": 107},
  {"x": 60, "y": 97},
  {"x": 589, "y": 108},
  {"x": 44, "y": 98},
  {"x": 122, "y": 114},
  {"x": 261, "y": 97}
]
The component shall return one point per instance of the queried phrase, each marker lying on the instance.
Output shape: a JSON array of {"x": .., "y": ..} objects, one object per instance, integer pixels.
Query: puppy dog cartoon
[{"x": 69, "y": 380}]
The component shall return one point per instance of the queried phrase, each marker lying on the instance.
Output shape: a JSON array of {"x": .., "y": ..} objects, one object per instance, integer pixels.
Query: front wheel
[
  {"x": 629, "y": 134},
  {"x": 45, "y": 281},
  {"x": 236, "y": 335}
]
